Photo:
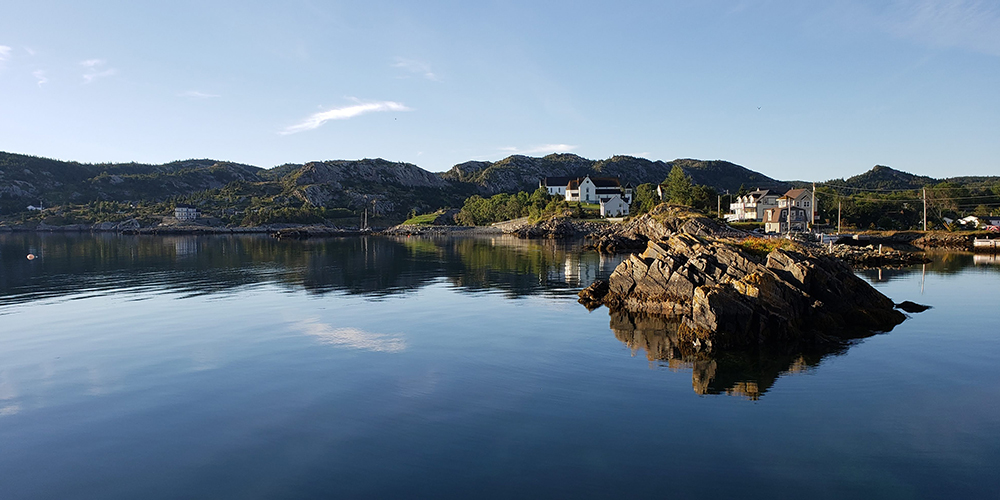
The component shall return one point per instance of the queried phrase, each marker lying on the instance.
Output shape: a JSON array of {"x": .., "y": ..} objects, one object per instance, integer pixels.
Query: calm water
[{"x": 217, "y": 367}]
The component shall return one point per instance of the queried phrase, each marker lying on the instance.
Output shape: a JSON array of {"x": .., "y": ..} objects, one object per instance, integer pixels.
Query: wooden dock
[{"x": 986, "y": 245}]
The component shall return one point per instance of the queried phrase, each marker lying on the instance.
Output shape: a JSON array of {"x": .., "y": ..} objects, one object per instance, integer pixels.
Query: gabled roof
[
  {"x": 606, "y": 182},
  {"x": 795, "y": 193},
  {"x": 556, "y": 181}
]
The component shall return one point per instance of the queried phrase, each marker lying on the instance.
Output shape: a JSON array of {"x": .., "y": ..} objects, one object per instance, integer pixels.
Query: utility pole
[
  {"x": 838, "y": 216},
  {"x": 812, "y": 211},
  {"x": 788, "y": 206},
  {"x": 720, "y": 206},
  {"x": 925, "y": 209}
]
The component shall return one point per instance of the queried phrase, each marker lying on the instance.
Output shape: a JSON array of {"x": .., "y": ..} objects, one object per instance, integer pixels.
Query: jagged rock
[
  {"x": 659, "y": 223},
  {"x": 912, "y": 307},
  {"x": 724, "y": 296}
]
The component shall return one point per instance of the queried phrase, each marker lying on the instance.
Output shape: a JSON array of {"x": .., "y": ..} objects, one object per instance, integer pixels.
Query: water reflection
[
  {"x": 942, "y": 263},
  {"x": 748, "y": 374},
  {"x": 372, "y": 266}
]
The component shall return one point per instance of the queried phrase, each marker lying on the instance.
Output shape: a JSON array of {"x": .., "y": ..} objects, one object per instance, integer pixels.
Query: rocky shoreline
[{"x": 726, "y": 293}]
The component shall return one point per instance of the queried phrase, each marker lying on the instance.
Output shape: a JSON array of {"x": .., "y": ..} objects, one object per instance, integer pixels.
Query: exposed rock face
[
  {"x": 723, "y": 296},
  {"x": 659, "y": 223},
  {"x": 340, "y": 172}
]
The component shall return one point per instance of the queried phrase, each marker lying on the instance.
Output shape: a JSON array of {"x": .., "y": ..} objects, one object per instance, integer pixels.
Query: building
[
  {"x": 555, "y": 185},
  {"x": 614, "y": 206},
  {"x": 751, "y": 206},
  {"x": 185, "y": 212},
  {"x": 587, "y": 189},
  {"x": 801, "y": 198},
  {"x": 776, "y": 220}
]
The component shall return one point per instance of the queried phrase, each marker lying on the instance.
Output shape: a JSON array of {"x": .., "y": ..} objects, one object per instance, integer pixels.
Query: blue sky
[{"x": 796, "y": 90}]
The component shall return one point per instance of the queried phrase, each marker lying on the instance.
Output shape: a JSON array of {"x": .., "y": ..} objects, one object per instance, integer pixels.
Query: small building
[
  {"x": 776, "y": 220},
  {"x": 185, "y": 212},
  {"x": 614, "y": 206},
  {"x": 33, "y": 208},
  {"x": 751, "y": 206}
]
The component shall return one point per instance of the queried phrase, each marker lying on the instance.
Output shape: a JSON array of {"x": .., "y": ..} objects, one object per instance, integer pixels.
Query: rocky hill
[
  {"x": 36, "y": 180},
  {"x": 522, "y": 173}
]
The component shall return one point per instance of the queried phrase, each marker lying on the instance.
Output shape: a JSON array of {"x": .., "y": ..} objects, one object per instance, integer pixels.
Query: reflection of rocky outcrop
[
  {"x": 726, "y": 297},
  {"x": 737, "y": 373}
]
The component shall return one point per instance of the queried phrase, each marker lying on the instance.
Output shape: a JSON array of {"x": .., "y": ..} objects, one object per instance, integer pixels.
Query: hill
[
  {"x": 522, "y": 173},
  {"x": 881, "y": 177}
]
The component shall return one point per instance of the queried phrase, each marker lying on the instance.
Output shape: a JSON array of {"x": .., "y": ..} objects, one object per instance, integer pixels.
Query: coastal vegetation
[{"x": 381, "y": 192}]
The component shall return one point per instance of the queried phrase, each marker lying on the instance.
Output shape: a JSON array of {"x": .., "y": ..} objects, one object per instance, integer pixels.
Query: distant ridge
[
  {"x": 394, "y": 187},
  {"x": 521, "y": 173}
]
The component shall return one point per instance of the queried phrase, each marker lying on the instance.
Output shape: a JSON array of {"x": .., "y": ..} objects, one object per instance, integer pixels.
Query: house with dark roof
[
  {"x": 587, "y": 189},
  {"x": 555, "y": 185},
  {"x": 777, "y": 220}
]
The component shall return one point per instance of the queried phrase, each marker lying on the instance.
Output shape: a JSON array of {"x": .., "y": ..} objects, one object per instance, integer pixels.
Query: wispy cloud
[
  {"x": 353, "y": 338},
  {"x": 416, "y": 67},
  {"x": 194, "y": 94},
  {"x": 317, "y": 119},
  {"x": 968, "y": 24},
  {"x": 30, "y": 51},
  {"x": 4, "y": 54},
  {"x": 40, "y": 76},
  {"x": 544, "y": 148},
  {"x": 95, "y": 69}
]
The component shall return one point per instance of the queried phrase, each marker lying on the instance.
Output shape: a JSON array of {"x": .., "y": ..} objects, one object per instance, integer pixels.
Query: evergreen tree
[{"x": 678, "y": 185}]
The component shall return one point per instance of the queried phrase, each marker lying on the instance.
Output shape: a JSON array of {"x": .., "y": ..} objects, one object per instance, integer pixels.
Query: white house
[
  {"x": 776, "y": 220},
  {"x": 185, "y": 212},
  {"x": 33, "y": 208},
  {"x": 751, "y": 206},
  {"x": 614, "y": 206},
  {"x": 555, "y": 185},
  {"x": 591, "y": 189}
]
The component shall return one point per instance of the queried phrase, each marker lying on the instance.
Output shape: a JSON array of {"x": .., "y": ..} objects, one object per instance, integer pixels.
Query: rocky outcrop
[
  {"x": 724, "y": 296},
  {"x": 552, "y": 228},
  {"x": 872, "y": 256},
  {"x": 657, "y": 224}
]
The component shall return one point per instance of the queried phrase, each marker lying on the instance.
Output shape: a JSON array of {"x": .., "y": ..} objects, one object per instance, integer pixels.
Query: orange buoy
[{"x": 31, "y": 256}]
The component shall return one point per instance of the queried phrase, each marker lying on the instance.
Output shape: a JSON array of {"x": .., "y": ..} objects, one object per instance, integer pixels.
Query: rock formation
[
  {"x": 725, "y": 296},
  {"x": 659, "y": 223}
]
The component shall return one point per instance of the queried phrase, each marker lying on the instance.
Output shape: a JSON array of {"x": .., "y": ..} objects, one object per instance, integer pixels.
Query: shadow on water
[
  {"x": 371, "y": 266},
  {"x": 747, "y": 373}
]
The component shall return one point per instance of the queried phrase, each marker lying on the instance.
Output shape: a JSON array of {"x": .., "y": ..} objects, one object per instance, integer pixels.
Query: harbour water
[{"x": 245, "y": 367}]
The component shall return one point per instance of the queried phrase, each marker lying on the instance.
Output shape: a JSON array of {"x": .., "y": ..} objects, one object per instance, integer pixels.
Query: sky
[{"x": 795, "y": 90}]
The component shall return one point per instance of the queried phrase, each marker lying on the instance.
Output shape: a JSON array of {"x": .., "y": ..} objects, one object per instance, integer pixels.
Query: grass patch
[
  {"x": 422, "y": 219},
  {"x": 763, "y": 246}
]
